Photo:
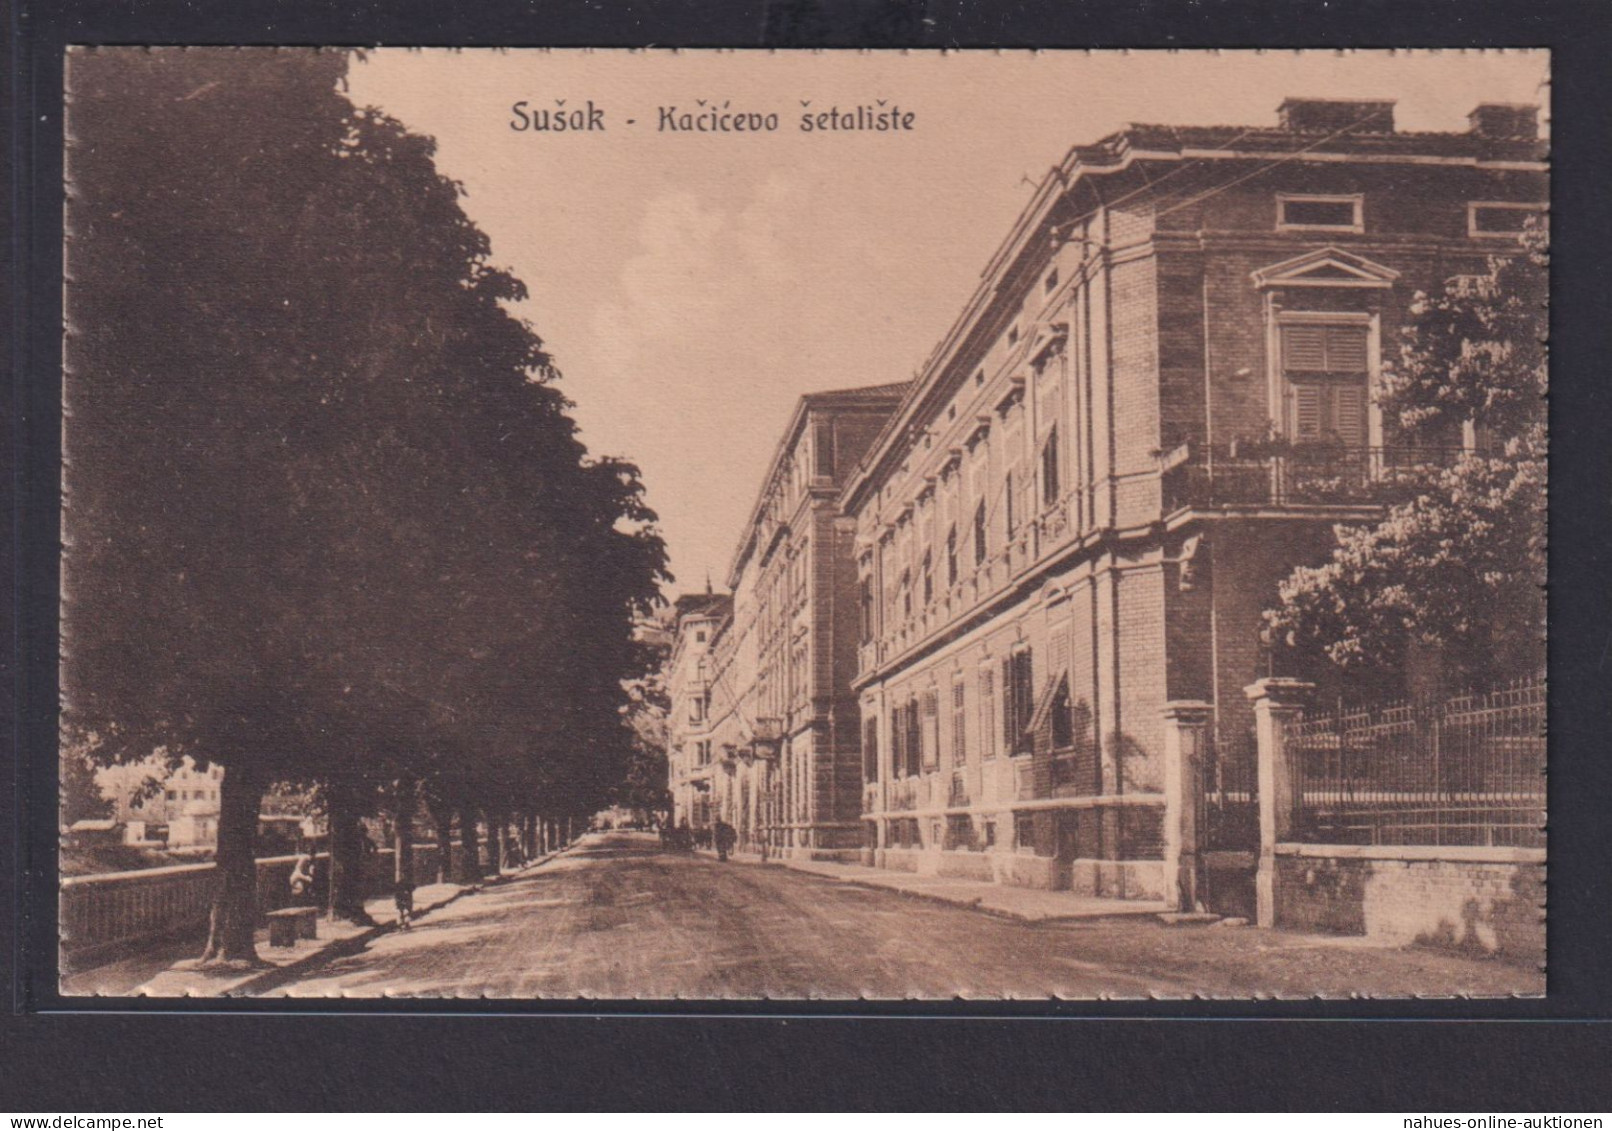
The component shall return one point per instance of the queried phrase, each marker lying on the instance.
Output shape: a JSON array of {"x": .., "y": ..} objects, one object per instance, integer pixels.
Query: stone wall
[
  {"x": 100, "y": 913},
  {"x": 1479, "y": 900}
]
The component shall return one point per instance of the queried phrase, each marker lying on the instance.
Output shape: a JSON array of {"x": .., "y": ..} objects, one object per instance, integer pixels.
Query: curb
[
  {"x": 973, "y": 903},
  {"x": 341, "y": 948}
]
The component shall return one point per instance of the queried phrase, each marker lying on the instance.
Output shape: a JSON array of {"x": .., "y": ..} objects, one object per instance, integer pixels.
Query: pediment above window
[{"x": 1328, "y": 267}]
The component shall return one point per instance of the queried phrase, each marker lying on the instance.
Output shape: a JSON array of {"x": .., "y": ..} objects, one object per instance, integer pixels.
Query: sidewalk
[
  {"x": 336, "y": 937},
  {"x": 1028, "y": 905}
]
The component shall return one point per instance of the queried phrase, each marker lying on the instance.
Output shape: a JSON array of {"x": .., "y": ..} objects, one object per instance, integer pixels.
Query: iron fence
[
  {"x": 1464, "y": 771},
  {"x": 1319, "y": 475},
  {"x": 1229, "y": 819}
]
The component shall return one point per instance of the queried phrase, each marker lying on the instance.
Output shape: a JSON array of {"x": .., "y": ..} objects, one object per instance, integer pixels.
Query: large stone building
[
  {"x": 1159, "y": 400},
  {"x": 768, "y": 736},
  {"x": 690, "y": 765}
]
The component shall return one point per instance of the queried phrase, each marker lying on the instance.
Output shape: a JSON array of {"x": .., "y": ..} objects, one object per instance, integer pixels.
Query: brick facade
[{"x": 1071, "y": 476}]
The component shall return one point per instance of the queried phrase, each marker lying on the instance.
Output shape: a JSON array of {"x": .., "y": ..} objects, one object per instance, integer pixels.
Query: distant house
[
  {"x": 94, "y": 831},
  {"x": 158, "y": 806}
]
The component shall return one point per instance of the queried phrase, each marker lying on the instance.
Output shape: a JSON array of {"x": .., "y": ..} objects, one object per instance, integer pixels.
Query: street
[{"x": 617, "y": 918}]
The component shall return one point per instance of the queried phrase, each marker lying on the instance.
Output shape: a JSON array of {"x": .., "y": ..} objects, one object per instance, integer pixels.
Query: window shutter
[
  {"x": 899, "y": 753},
  {"x": 1307, "y": 409},
  {"x": 912, "y": 737},
  {"x": 930, "y": 732},
  {"x": 1007, "y": 503},
  {"x": 1304, "y": 347},
  {"x": 1050, "y": 487},
  {"x": 959, "y": 726},
  {"x": 1349, "y": 413},
  {"x": 1060, "y": 650},
  {"x": 1010, "y": 695},
  {"x": 1324, "y": 349},
  {"x": 1026, "y": 690},
  {"x": 987, "y": 712},
  {"x": 1346, "y": 349}
]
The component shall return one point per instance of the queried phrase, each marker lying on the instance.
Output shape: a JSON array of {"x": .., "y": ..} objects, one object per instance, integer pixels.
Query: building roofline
[
  {"x": 886, "y": 396},
  {"x": 1137, "y": 142}
]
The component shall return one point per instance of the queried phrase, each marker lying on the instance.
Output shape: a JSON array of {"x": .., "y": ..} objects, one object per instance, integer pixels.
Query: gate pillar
[
  {"x": 1277, "y": 703},
  {"x": 1186, "y": 734}
]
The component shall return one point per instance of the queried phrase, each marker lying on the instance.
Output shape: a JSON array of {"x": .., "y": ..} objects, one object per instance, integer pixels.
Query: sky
[{"x": 692, "y": 286}]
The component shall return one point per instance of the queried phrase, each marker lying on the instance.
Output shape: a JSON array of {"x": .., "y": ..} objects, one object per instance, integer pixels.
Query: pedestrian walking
[
  {"x": 403, "y": 900},
  {"x": 724, "y": 836}
]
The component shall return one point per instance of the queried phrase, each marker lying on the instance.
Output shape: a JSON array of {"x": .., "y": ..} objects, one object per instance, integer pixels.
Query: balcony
[{"x": 1288, "y": 476}]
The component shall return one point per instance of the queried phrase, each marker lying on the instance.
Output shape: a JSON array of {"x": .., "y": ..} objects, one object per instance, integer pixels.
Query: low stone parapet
[
  {"x": 100, "y": 914},
  {"x": 1474, "y": 899}
]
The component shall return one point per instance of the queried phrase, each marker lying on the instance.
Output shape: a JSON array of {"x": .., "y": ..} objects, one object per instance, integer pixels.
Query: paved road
[{"x": 616, "y": 918}]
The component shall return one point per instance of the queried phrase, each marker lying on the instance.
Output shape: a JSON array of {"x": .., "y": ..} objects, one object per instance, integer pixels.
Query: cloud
[{"x": 700, "y": 352}]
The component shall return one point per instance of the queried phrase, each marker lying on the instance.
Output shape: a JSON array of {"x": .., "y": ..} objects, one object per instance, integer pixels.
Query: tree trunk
[
  {"x": 403, "y": 838},
  {"x": 498, "y": 843},
  {"x": 529, "y": 835},
  {"x": 443, "y": 819},
  {"x": 469, "y": 848},
  {"x": 233, "y": 918},
  {"x": 346, "y": 858}
]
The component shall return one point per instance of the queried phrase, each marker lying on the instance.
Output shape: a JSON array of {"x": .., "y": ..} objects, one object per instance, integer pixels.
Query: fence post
[
  {"x": 1186, "y": 733},
  {"x": 1277, "y": 701}
]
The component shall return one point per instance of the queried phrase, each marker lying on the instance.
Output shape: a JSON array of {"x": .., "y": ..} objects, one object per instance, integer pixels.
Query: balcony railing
[{"x": 1322, "y": 475}]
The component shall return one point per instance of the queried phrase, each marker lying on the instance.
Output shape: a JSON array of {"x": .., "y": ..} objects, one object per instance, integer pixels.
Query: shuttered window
[
  {"x": 987, "y": 713},
  {"x": 1018, "y": 701},
  {"x": 899, "y": 737},
  {"x": 1051, "y": 489},
  {"x": 929, "y": 730},
  {"x": 959, "y": 725},
  {"x": 870, "y": 750},
  {"x": 1324, "y": 349},
  {"x": 1326, "y": 367}
]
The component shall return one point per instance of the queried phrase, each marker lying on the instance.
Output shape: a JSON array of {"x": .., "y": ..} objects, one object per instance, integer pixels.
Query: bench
[{"x": 289, "y": 924}]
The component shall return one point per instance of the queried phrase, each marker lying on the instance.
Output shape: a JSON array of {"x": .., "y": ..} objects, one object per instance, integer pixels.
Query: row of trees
[
  {"x": 1455, "y": 569},
  {"x": 326, "y": 517}
]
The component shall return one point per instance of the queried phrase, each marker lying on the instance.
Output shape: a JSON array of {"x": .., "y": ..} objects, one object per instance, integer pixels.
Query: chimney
[
  {"x": 1505, "y": 119},
  {"x": 1334, "y": 115}
]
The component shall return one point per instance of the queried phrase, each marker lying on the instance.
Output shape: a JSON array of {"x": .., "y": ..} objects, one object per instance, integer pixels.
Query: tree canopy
[
  {"x": 326, "y": 514},
  {"x": 1456, "y": 565}
]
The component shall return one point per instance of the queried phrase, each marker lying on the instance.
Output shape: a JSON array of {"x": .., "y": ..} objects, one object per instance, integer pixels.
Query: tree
[
  {"x": 327, "y": 518},
  {"x": 646, "y": 716},
  {"x": 81, "y": 797},
  {"x": 1456, "y": 565}
]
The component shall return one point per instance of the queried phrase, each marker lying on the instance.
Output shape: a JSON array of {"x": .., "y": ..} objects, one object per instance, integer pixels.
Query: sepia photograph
[{"x": 673, "y": 525}]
